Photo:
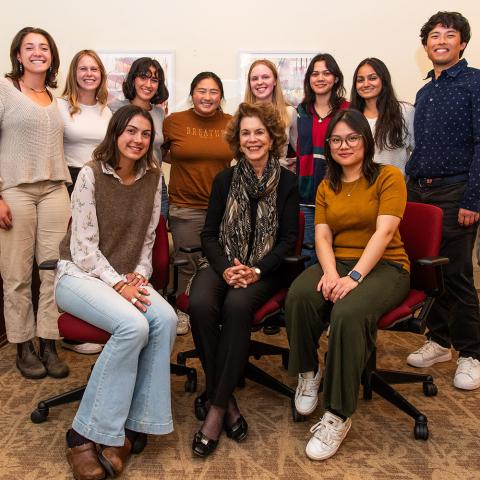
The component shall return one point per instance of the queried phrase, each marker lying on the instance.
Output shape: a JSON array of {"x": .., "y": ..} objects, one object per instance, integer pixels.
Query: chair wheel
[
  {"x": 199, "y": 407},
  {"x": 420, "y": 431},
  {"x": 297, "y": 417},
  {"x": 429, "y": 389},
  {"x": 191, "y": 383},
  {"x": 271, "y": 329},
  {"x": 40, "y": 414},
  {"x": 181, "y": 358}
]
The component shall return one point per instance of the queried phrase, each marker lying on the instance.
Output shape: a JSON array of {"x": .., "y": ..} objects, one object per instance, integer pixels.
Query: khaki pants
[
  {"x": 40, "y": 214},
  {"x": 186, "y": 224}
]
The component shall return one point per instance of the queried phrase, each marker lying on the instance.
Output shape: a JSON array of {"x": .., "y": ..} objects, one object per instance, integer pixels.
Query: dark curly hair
[
  {"x": 359, "y": 124},
  {"x": 453, "y": 20},
  {"x": 16, "y": 72},
  {"x": 269, "y": 116},
  {"x": 107, "y": 151},
  {"x": 139, "y": 67}
]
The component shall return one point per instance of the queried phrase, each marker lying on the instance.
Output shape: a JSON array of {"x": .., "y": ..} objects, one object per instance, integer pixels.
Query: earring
[
  {"x": 50, "y": 69},
  {"x": 20, "y": 67}
]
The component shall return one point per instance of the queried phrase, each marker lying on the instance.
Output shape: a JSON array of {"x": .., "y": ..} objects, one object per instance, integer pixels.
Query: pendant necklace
[
  {"x": 320, "y": 118},
  {"x": 349, "y": 194},
  {"x": 33, "y": 89}
]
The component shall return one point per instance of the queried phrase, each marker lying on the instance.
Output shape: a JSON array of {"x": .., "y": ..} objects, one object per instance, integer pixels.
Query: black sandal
[{"x": 202, "y": 445}]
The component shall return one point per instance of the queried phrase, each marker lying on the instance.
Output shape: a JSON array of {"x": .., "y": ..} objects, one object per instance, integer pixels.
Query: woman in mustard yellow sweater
[{"x": 363, "y": 272}]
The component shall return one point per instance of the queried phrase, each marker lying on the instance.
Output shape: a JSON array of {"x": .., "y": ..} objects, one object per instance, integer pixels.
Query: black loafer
[
  {"x": 238, "y": 431},
  {"x": 202, "y": 445}
]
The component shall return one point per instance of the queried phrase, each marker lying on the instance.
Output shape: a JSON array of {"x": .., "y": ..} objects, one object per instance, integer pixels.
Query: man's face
[{"x": 443, "y": 46}]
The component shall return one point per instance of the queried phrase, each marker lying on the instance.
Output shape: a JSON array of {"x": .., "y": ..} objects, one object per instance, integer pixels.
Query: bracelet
[{"x": 122, "y": 288}]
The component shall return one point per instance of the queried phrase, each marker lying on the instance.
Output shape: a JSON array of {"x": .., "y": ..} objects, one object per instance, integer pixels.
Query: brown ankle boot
[
  {"x": 56, "y": 368},
  {"x": 28, "y": 362}
]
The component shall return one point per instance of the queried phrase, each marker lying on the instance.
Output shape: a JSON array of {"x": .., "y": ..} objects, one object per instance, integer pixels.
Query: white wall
[{"x": 209, "y": 34}]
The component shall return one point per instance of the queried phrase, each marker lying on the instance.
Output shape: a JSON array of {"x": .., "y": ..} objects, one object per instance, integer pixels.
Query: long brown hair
[
  {"x": 107, "y": 151},
  {"x": 16, "y": 72}
]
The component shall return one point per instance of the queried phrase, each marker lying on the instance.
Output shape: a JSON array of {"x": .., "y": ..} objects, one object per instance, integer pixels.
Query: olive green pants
[{"x": 353, "y": 327}]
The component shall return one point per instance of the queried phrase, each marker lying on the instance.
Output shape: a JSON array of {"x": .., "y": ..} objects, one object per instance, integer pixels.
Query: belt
[{"x": 440, "y": 181}]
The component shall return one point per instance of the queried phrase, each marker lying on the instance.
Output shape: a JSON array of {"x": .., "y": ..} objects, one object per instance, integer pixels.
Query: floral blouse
[{"x": 87, "y": 259}]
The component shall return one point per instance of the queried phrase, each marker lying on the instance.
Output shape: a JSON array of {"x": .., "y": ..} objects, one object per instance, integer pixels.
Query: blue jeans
[
  {"x": 309, "y": 234},
  {"x": 130, "y": 384}
]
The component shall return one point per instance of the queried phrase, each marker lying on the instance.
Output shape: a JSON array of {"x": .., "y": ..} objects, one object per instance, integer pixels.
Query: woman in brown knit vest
[{"x": 102, "y": 278}]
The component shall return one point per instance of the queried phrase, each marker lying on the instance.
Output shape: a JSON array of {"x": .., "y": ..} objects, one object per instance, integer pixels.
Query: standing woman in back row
[
  {"x": 198, "y": 151},
  {"x": 263, "y": 86},
  {"x": 145, "y": 87},
  {"x": 391, "y": 121},
  {"x": 324, "y": 95},
  {"x": 34, "y": 206},
  {"x": 84, "y": 110}
]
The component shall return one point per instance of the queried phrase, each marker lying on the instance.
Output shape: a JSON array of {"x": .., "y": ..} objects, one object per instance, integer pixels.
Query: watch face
[{"x": 354, "y": 275}]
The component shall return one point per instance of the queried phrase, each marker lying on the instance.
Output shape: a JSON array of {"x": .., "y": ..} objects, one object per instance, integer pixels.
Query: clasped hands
[
  {"x": 239, "y": 275},
  {"x": 134, "y": 290},
  {"x": 333, "y": 287}
]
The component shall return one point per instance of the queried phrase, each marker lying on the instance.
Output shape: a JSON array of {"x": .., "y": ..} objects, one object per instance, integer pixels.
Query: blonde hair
[
  {"x": 70, "y": 93},
  {"x": 278, "y": 100}
]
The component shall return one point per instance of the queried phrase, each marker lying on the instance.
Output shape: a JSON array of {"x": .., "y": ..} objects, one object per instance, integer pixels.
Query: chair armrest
[
  {"x": 48, "y": 265},
  {"x": 190, "y": 249},
  {"x": 432, "y": 261},
  {"x": 309, "y": 246},
  {"x": 179, "y": 262},
  {"x": 296, "y": 259}
]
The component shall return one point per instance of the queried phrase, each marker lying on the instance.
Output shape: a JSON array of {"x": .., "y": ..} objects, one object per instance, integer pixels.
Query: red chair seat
[
  {"x": 73, "y": 328},
  {"x": 406, "y": 309}
]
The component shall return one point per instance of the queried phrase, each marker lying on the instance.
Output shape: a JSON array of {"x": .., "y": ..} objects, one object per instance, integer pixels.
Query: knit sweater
[
  {"x": 31, "y": 140},
  {"x": 121, "y": 235}
]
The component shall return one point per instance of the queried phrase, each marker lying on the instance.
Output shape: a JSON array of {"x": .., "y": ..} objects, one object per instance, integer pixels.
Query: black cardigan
[{"x": 287, "y": 207}]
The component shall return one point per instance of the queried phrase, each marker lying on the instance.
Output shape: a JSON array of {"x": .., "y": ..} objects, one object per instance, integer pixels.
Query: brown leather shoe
[
  {"x": 84, "y": 462},
  {"x": 113, "y": 459}
]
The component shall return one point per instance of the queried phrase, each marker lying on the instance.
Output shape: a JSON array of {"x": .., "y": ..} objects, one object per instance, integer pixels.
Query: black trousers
[
  {"x": 74, "y": 171},
  {"x": 454, "y": 318},
  {"x": 221, "y": 318}
]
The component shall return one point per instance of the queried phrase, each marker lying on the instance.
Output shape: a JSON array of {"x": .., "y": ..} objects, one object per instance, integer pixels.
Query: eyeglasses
[
  {"x": 351, "y": 140},
  {"x": 147, "y": 76}
]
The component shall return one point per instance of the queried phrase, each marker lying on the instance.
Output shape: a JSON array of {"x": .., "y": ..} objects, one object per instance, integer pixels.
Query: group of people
[{"x": 348, "y": 178}]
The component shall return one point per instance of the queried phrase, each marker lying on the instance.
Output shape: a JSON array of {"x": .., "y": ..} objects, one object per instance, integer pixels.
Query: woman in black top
[{"x": 251, "y": 225}]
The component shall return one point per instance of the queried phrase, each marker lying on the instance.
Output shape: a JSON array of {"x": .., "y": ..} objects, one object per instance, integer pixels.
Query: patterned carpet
[{"x": 380, "y": 444}]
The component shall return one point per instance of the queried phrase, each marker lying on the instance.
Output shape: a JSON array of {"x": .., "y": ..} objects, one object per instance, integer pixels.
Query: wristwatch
[
  {"x": 257, "y": 271},
  {"x": 354, "y": 275}
]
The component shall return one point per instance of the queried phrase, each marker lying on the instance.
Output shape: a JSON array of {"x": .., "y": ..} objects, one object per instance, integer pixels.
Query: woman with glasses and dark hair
[
  {"x": 363, "y": 273},
  {"x": 34, "y": 206},
  {"x": 324, "y": 95},
  {"x": 391, "y": 121},
  {"x": 198, "y": 151},
  {"x": 102, "y": 278},
  {"x": 145, "y": 87}
]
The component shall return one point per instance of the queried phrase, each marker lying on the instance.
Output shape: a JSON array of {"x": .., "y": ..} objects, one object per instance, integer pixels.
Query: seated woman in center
[
  {"x": 363, "y": 272},
  {"x": 251, "y": 225}
]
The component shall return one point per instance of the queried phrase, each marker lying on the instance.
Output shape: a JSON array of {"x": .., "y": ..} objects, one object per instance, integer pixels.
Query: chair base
[
  {"x": 40, "y": 414},
  {"x": 379, "y": 381}
]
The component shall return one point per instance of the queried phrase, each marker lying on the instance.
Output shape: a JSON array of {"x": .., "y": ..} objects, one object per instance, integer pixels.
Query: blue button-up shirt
[{"x": 447, "y": 130}]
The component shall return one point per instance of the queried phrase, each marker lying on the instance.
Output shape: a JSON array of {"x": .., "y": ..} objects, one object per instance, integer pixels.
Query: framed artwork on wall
[
  {"x": 118, "y": 63},
  {"x": 291, "y": 68}
]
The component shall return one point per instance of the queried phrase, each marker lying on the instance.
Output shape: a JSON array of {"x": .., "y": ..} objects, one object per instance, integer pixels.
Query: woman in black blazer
[{"x": 251, "y": 225}]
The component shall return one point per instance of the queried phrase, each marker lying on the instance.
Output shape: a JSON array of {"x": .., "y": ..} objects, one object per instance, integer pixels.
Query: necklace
[
  {"x": 320, "y": 118},
  {"x": 349, "y": 194},
  {"x": 34, "y": 89}
]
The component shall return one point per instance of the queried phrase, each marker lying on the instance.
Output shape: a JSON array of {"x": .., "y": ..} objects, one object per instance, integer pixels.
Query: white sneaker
[
  {"x": 430, "y": 353},
  {"x": 306, "y": 394},
  {"x": 328, "y": 435},
  {"x": 183, "y": 324},
  {"x": 83, "y": 348},
  {"x": 467, "y": 376}
]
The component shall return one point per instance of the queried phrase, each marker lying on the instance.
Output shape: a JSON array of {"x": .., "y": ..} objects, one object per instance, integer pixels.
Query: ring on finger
[{"x": 134, "y": 300}]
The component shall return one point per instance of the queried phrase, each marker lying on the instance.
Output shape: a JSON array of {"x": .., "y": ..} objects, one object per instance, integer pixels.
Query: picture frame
[
  {"x": 118, "y": 63},
  {"x": 291, "y": 68}
]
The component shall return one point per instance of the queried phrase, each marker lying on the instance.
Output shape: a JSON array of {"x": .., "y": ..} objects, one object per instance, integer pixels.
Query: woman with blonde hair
[
  {"x": 263, "y": 86},
  {"x": 85, "y": 114},
  {"x": 84, "y": 110}
]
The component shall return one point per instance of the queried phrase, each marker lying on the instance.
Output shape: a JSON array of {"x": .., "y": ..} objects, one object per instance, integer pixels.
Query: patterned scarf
[{"x": 235, "y": 229}]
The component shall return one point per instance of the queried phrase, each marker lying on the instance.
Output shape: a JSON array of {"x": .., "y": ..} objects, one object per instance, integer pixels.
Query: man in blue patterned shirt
[{"x": 444, "y": 170}]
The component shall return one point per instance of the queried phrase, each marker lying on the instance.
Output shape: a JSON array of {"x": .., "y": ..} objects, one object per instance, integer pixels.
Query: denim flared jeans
[{"x": 130, "y": 384}]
